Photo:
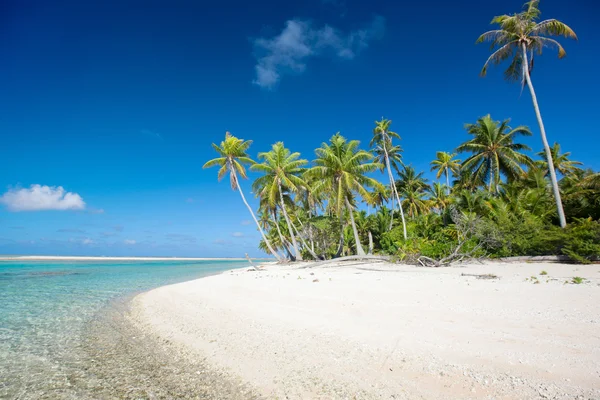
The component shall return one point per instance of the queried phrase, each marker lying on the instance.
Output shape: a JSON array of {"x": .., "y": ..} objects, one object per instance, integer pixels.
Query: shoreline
[
  {"x": 375, "y": 330},
  {"x": 101, "y": 258}
]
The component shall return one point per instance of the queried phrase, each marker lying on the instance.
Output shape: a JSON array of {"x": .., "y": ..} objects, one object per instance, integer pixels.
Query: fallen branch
[{"x": 349, "y": 258}]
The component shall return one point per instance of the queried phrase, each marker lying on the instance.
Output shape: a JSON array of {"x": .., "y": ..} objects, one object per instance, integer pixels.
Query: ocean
[{"x": 48, "y": 307}]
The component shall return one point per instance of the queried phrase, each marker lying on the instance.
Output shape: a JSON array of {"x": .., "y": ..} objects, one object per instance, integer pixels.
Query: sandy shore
[
  {"x": 390, "y": 332},
  {"x": 90, "y": 258}
]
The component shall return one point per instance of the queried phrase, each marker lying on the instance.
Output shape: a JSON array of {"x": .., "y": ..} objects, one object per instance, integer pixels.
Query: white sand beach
[{"x": 390, "y": 331}]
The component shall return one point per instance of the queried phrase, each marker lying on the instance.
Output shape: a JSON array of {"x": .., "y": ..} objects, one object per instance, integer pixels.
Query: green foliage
[
  {"x": 577, "y": 280},
  {"x": 582, "y": 240},
  {"x": 543, "y": 273}
]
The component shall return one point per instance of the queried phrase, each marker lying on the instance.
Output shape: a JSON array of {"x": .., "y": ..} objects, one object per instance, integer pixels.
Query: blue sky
[{"x": 118, "y": 101}]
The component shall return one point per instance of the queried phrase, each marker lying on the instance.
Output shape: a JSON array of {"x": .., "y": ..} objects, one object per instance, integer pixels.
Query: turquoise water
[{"x": 45, "y": 307}]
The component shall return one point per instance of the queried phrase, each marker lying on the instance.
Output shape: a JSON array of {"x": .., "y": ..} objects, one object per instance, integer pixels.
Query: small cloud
[
  {"x": 119, "y": 228},
  {"x": 68, "y": 230},
  {"x": 151, "y": 133},
  {"x": 289, "y": 52},
  {"x": 87, "y": 241},
  {"x": 189, "y": 200},
  {"x": 246, "y": 222},
  {"x": 38, "y": 198},
  {"x": 237, "y": 234},
  {"x": 129, "y": 241},
  {"x": 96, "y": 211}
]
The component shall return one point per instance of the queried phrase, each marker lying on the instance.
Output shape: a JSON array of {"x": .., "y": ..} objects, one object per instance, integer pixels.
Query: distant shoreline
[{"x": 94, "y": 258}]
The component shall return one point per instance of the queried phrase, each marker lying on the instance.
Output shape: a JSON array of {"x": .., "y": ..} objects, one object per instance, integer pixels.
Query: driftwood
[
  {"x": 482, "y": 276},
  {"x": 349, "y": 258}
]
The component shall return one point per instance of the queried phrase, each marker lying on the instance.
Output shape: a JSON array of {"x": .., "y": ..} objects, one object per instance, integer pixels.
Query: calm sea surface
[{"x": 45, "y": 307}]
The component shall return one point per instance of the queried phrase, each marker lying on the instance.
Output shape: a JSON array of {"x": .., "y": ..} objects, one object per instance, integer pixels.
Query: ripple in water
[{"x": 62, "y": 337}]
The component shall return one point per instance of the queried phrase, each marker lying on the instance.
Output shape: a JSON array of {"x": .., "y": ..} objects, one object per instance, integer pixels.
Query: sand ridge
[{"x": 391, "y": 331}]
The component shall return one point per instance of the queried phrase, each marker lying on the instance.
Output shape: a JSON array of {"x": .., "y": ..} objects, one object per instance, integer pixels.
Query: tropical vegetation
[{"x": 497, "y": 200}]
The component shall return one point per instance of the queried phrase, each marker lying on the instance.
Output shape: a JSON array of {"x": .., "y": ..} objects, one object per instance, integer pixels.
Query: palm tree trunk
[
  {"x": 447, "y": 182},
  {"x": 289, "y": 224},
  {"x": 306, "y": 246},
  {"x": 281, "y": 238},
  {"x": 392, "y": 213},
  {"x": 370, "y": 243},
  {"x": 359, "y": 249},
  {"x": 239, "y": 187},
  {"x": 341, "y": 244},
  {"x": 395, "y": 191},
  {"x": 555, "y": 189}
]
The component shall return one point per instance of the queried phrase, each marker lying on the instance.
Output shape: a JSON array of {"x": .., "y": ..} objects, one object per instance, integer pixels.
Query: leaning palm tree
[
  {"x": 519, "y": 37},
  {"x": 340, "y": 171},
  {"x": 444, "y": 164},
  {"x": 233, "y": 155},
  {"x": 494, "y": 152},
  {"x": 561, "y": 161},
  {"x": 388, "y": 155},
  {"x": 282, "y": 170}
]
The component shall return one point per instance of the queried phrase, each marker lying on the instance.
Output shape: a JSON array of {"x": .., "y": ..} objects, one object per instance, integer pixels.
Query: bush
[{"x": 582, "y": 240}]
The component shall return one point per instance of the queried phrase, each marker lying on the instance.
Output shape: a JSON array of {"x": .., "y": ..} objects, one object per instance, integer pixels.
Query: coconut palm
[
  {"x": 233, "y": 155},
  {"x": 439, "y": 197},
  {"x": 340, "y": 171},
  {"x": 412, "y": 186},
  {"x": 520, "y": 37},
  {"x": 445, "y": 163},
  {"x": 282, "y": 170},
  {"x": 494, "y": 151},
  {"x": 562, "y": 164},
  {"x": 388, "y": 155}
]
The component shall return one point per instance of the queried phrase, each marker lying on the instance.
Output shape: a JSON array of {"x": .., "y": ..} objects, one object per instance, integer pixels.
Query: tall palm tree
[
  {"x": 494, "y": 151},
  {"x": 340, "y": 171},
  {"x": 561, "y": 161},
  {"x": 444, "y": 164},
  {"x": 233, "y": 155},
  {"x": 519, "y": 37},
  {"x": 282, "y": 170},
  {"x": 388, "y": 155}
]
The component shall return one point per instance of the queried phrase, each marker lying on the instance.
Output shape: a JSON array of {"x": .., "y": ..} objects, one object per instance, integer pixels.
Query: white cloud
[
  {"x": 129, "y": 241},
  {"x": 38, "y": 198},
  {"x": 237, "y": 234},
  {"x": 87, "y": 241},
  {"x": 289, "y": 51}
]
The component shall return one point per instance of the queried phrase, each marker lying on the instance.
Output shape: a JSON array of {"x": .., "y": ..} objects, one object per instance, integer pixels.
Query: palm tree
[
  {"x": 439, "y": 198},
  {"x": 444, "y": 164},
  {"x": 282, "y": 171},
  {"x": 412, "y": 186},
  {"x": 340, "y": 172},
  {"x": 561, "y": 162},
  {"x": 494, "y": 151},
  {"x": 519, "y": 37},
  {"x": 388, "y": 155},
  {"x": 233, "y": 156}
]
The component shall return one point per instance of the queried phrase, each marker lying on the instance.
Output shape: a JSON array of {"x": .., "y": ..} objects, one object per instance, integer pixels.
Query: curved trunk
[
  {"x": 289, "y": 224},
  {"x": 359, "y": 249},
  {"x": 239, "y": 188},
  {"x": 447, "y": 182},
  {"x": 370, "y": 243},
  {"x": 281, "y": 238},
  {"x": 395, "y": 191},
  {"x": 555, "y": 188}
]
